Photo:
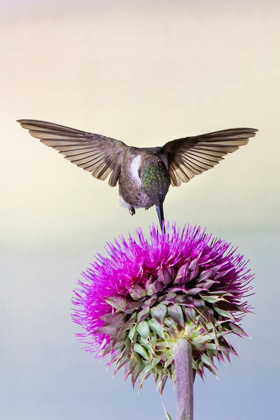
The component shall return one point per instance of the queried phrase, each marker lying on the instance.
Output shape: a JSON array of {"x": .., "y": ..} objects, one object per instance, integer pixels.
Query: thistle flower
[{"x": 135, "y": 304}]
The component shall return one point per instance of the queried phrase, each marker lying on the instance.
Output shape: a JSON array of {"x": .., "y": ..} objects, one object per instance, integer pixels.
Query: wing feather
[
  {"x": 94, "y": 153},
  {"x": 190, "y": 156}
]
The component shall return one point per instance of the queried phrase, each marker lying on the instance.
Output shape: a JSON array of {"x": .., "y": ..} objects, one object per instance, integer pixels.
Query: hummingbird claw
[{"x": 131, "y": 210}]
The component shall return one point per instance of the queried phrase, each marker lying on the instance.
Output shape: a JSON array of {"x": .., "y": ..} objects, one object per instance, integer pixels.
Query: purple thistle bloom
[{"x": 136, "y": 303}]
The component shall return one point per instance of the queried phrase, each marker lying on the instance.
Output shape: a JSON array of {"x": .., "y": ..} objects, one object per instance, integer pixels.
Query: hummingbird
[{"x": 144, "y": 175}]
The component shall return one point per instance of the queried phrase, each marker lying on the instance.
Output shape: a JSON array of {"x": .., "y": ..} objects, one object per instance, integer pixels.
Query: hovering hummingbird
[{"x": 144, "y": 174}]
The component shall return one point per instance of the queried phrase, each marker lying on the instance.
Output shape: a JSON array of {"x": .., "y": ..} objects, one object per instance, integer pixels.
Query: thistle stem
[{"x": 184, "y": 379}]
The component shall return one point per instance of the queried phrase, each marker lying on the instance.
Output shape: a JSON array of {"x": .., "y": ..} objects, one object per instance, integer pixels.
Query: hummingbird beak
[{"x": 160, "y": 216}]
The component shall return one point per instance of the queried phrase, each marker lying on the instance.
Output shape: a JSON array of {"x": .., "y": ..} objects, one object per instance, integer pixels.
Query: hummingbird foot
[{"x": 131, "y": 210}]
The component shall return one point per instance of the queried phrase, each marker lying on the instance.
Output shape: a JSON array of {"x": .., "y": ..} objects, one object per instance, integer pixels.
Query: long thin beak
[{"x": 160, "y": 215}]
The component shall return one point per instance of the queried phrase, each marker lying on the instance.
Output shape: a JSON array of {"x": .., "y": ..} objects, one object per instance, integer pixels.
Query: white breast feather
[
  {"x": 124, "y": 204},
  {"x": 134, "y": 170}
]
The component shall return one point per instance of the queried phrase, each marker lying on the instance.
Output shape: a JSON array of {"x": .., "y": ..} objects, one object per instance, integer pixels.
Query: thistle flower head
[{"x": 138, "y": 301}]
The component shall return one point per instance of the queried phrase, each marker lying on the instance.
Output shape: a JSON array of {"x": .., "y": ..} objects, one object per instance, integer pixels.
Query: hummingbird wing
[
  {"x": 191, "y": 156},
  {"x": 94, "y": 153}
]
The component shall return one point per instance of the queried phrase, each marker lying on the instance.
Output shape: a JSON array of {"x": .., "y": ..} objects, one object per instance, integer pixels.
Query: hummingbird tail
[{"x": 160, "y": 216}]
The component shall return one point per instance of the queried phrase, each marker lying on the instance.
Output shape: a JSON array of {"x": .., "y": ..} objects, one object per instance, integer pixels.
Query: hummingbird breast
[{"x": 144, "y": 179}]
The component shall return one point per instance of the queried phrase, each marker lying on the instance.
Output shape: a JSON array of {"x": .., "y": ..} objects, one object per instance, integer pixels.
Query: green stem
[{"x": 184, "y": 379}]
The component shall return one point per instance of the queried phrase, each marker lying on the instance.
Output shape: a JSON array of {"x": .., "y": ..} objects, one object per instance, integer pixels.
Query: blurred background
[{"x": 144, "y": 72}]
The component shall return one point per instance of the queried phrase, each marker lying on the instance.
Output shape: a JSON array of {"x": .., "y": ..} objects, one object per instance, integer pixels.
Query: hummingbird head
[{"x": 155, "y": 181}]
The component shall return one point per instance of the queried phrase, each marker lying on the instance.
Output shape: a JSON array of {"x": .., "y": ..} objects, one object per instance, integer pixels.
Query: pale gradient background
[{"x": 144, "y": 72}]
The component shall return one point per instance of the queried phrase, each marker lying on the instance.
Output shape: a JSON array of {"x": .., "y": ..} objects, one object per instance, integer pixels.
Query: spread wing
[
  {"x": 191, "y": 156},
  {"x": 97, "y": 154}
]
